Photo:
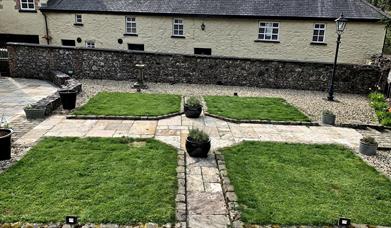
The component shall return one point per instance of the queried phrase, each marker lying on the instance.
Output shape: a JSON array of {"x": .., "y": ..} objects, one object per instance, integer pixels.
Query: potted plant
[
  {"x": 68, "y": 98},
  {"x": 328, "y": 117},
  {"x": 5, "y": 140},
  {"x": 368, "y": 146},
  {"x": 193, "y": 107},
  {"x": 197, "y": 143},
  {"x": 34, "y": 112}
]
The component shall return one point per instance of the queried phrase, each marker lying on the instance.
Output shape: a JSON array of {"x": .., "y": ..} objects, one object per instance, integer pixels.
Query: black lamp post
[{"x": 341, "y": 25}]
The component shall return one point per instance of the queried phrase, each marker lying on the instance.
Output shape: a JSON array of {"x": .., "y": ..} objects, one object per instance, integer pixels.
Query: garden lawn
[
  {"x": 254, "y": 108},
  {"x": 130, "y": 104},
  {"x": 297, "y": 184},
  {"x": 101, "y": 180}
]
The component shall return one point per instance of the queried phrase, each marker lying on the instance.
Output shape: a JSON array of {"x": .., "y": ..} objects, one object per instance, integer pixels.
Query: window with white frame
[
  {"x": 319, "y": 33},
  {"x": 90, "y": 44},
  {"x": 131, "y": 25},
  {"x": 177, "y": 29},
  {"x": 78, "y": 19},
  {"x": 268, "y": 31},
  {"x": 27, "y": 5}
]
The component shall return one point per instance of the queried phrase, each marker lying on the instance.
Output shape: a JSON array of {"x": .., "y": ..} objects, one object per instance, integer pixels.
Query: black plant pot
[
  {"x": 192, "y": 112},
  {"x": 5, "y": 144},
  {"x": 68, "y": 99},
  {"x": 197, "y": 149}
]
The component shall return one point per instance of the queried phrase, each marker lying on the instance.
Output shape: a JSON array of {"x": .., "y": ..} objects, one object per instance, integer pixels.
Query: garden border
[{"x": 109, "y": 117}]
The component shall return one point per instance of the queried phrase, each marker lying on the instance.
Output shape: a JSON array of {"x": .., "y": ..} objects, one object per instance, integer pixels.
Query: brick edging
[{"x": 301, "y": 123}]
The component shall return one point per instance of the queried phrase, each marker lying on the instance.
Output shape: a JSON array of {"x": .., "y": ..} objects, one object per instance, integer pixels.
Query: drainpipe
[
  {"x": 384, "y": 42},
  {"x": 47, "y": 29}
]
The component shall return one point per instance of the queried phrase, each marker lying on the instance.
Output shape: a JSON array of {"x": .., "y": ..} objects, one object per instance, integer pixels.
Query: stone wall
[{"x": 36, "y": 61}]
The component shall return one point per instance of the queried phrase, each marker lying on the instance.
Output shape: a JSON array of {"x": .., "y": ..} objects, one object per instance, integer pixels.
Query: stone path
[
  {"x": 206, "y": 205},
  {"x": 15, "y": 93}
]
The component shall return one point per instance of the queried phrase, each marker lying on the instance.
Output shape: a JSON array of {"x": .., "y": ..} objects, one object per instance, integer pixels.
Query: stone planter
[
  {"x": 367, "y": 149},
  {"x": 35, "y": 113},
  {"x": 192, "y": 112},
  {"x": 197, "y": 149},
  {"x": 5, "y": 143},
  {"x": 328, "y": 119},
  {"x": 68, "y": 99}
]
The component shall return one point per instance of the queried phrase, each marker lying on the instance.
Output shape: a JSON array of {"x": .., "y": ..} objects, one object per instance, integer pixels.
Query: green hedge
[{"x": 379, "y": 103}]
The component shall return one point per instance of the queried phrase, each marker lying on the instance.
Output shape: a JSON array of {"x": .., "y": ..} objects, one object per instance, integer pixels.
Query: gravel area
[
  {"x": 381, "y": 161},
  {"x": 349, "y": 108},
  {"x": 17, "y": 152}
]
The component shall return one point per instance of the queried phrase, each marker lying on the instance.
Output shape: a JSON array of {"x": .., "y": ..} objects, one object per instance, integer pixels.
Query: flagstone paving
[
  {"x": 16, "y": 93},
  {"x": 206, "y": 206}
]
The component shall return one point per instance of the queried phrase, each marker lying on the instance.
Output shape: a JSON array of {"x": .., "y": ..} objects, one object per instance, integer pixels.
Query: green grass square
[
  {"x": 130, "y": 104},
  {"x": 101, "y": 180},
  {"x": 298, "y": 184},
  {"x": 254, "y": 108}
]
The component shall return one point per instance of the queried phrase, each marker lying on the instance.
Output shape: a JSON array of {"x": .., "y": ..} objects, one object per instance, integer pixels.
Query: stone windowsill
[
  {"x": 267, "y": 41},
  {"x": 130, "y": 34},
  {"x": 178, "y": 37},
  {"x": 27, "y": 11},
  {"x": 78, "y": 24},
  {"x": 317, "y": 43}
]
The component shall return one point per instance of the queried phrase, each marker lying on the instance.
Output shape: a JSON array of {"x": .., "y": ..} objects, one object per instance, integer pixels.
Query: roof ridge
[{"x": 376, "y": 9}]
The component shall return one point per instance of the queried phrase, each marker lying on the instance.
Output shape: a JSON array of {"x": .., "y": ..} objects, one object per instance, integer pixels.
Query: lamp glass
[{"x": 341, "y": 24}]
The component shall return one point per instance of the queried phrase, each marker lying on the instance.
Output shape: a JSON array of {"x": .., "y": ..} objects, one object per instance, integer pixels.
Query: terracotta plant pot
[
  {"x": 367, "y": 149},
  {"x": 192, "y": 112},
  {"x": 68, "y": 99},
  {"x": 5, "y": 143},
  {"x": 197, "y": 149}
]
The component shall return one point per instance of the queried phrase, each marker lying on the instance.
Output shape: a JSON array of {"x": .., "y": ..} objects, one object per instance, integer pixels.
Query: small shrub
[
  {"x": 328, "y": 112},
  {"x": 193, "y": 102},
  {"x": 379, "y": 103},
  {"x": 376, "y": 96},
  {"x": 369, "y": 140},
  {"x": 198, "y": 135}
]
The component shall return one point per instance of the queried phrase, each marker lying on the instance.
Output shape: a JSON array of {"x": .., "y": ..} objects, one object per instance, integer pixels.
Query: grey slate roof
[{"x": 322, "y": 9}]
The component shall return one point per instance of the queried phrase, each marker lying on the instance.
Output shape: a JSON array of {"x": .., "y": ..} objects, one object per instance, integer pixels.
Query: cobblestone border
[
  {"x": 228, "y": 191},
  {"x": 301, "y": 123},
  {"x": 90, "y": 225},
  {"x": 108, "y": 117},
  {"x": 181, "y": 199}
]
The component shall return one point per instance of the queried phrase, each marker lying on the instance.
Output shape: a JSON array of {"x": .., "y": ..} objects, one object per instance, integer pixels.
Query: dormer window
[
  {"x": 27, "y": 5},
  {"x": 78, "y": 19}
]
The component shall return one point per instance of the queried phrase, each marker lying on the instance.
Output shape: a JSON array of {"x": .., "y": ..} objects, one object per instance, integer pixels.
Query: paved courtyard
[
  {"x": 16, "y": 93},
  {"x": 206, "y": 206}
]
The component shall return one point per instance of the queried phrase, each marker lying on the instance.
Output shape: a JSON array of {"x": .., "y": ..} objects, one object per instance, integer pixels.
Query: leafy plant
[
  {"x": 3, "y": 122},
  {"x": 193, "y": 102},
  {"x": 368, "y": 140},
  {"x": 379, "y": 103},
  {"x": 328, "y": 112},
  {"x": 198, "y": 135}
]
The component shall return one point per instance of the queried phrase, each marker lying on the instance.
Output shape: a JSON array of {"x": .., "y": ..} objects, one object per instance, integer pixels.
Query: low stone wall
[{"x": 36, "y": 61}]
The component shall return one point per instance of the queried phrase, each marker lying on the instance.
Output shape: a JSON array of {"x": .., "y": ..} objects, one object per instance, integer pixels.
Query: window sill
[
  {"x": 267, "y": 41},
  {"x": 178, "y": 37},
  {"x": 27, "y": 11},
  {"x": 321, "y": 44},
  {"x": 78, "y": 24},
  {"x": 130, "y": 34}
]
